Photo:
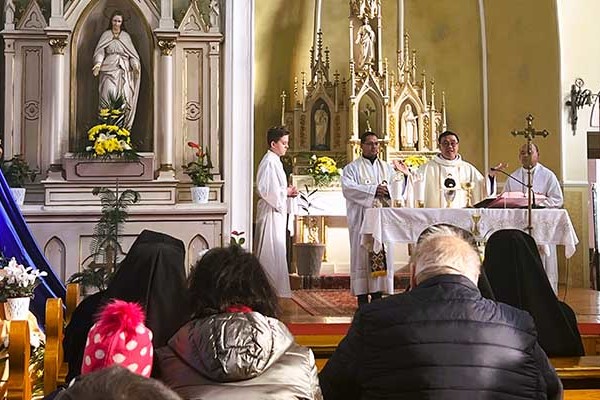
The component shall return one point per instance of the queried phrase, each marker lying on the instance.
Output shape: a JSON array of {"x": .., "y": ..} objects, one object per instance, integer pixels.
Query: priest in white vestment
[
  {"x": 365, "y": 182},
  {"x": 544, "y": 182},
  {"x": 272, "y": 210},
  {"x": 442, "y": 182}
]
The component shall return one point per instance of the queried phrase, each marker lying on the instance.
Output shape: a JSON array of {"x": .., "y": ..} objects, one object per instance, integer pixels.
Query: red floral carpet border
[{"x": 326, "y": 302}]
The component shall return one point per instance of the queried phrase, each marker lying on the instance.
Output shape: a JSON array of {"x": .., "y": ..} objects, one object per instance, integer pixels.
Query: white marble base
[
  {"x": 81, "y": 169},
  {"x": 64, "y": 233},
  {"x": 79, "y": 193}
]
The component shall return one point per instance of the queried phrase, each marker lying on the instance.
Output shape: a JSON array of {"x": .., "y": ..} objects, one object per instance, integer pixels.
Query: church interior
[{"x": 208, "y": 78}]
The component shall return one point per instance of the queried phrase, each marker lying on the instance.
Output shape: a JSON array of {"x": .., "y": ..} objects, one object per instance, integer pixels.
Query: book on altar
[{"x": 510, "y": 200}]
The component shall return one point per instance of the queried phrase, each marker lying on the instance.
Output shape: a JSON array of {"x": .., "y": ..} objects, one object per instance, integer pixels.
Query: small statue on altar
[
  {"x": 365, "y": 38},
  {"x": 408, "y": 129},
  {"x": 321, "y": 119},
  {"x": 364, "y": 8},
  {"x": 117, "y": 63}
]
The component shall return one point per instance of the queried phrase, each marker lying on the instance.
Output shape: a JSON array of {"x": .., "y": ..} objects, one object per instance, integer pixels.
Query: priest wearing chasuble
[
  {"x": 439, "y": 181},
  {"x": 364, "y": 184}
]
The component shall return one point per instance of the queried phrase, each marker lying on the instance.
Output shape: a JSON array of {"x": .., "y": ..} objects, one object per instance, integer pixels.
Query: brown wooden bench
[
  {"x": 19, "y": 354},
  {"x": 578, "y": 372}
]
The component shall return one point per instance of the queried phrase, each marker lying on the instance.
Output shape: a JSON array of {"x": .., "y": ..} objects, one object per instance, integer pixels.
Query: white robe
[
  {"x": 431, "y": 176},
  {"x": 359, "y": 183},
  {"x": 546, "y": 183},
  {"x": 271, "y": 216}
]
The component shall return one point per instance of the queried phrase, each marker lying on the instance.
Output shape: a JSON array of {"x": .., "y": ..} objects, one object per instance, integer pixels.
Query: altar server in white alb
[
  {"x": 544, "y": 182},
  {"x": 272, "y": 211},
  {"x": 443, "y": 179},
  {"x": 365, "y": 182}
]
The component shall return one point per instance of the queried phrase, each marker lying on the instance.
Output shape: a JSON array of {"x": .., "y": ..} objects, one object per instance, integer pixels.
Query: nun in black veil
[
  {"x": 517, "y": 277},
  {"x": 153, "y": 275}
]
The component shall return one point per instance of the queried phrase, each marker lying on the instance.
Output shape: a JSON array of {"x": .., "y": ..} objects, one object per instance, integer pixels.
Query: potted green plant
[
  {"x": 105, "y": 248},
  {"x": 17, "y": 171},
  {"x": 309, "y": 254},
  {"x": 199, "y": 172}
]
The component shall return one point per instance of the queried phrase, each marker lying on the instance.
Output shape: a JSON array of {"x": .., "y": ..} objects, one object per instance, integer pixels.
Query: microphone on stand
[{"x": 533, "y": 205}]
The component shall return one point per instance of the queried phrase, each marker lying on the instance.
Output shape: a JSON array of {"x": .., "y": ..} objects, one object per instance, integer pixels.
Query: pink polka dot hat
[{"x": 119, "y": 336}]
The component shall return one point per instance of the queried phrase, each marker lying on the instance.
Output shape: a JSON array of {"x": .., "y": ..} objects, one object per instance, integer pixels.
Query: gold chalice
[
  {"x": 468, "y": 187},
  {"x": 475, "y": 227},
  {"x": 449, "y": 195}
]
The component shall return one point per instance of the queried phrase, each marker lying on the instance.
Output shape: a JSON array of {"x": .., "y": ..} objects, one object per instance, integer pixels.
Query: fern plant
[{"x": 105, "y": 247}]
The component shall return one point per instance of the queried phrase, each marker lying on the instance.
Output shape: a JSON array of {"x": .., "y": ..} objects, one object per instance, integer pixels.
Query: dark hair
[
  {"x": 227, "y": 276},
  {"x": 116, "y": 383},
  {"x": 448, "y": 133},
  {"x": 364, "y": 136},
  {"x": 114, "y": 14},
  {"x": 275, "y": 133}
]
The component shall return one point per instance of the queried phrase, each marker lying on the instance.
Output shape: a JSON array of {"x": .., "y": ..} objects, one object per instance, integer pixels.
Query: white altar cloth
[{"x": 403, "y": 225}]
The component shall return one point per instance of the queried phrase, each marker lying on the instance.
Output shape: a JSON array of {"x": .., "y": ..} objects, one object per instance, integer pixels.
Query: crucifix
[{"x": 529, "y": 133}]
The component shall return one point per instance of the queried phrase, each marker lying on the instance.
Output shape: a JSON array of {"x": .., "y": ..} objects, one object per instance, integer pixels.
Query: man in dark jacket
[{"x": 442, "y": 339}]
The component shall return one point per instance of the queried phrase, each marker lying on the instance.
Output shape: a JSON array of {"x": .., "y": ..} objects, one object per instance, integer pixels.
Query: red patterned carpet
[{"x": 326, "y": 302}]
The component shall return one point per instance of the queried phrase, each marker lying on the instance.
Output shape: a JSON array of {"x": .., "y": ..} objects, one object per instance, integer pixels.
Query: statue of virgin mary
[{"x": 117, "y": 63}]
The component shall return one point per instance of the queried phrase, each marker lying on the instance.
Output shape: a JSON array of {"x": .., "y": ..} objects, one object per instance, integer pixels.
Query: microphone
[{"x": 533, "y": 205}]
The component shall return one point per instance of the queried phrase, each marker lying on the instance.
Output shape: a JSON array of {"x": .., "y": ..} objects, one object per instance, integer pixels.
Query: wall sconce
[{"x": 579, "y": 97}]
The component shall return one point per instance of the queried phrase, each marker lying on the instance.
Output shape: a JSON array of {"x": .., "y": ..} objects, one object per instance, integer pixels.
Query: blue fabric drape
[{"x": 17, "y": 241}]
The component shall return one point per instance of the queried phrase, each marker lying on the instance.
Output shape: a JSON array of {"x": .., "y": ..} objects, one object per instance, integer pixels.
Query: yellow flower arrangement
[
  {"x": 324, "y": 170},
  {"x": 415, "y": 161},
  {"x": 110, "y": 136}
]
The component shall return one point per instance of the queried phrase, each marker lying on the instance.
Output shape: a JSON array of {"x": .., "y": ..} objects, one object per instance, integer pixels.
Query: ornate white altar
[
  {"x": 403, "y": 225},
  {"x": 50, "y": 92}
]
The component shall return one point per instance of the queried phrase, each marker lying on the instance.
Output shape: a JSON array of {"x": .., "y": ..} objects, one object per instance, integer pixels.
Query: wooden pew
[
  {"x": 578, "y": 372},
  {"x": 72, "y": 300},
  {"x": 54, "y": 368},
  {"x": 19, "y": 354},
  {"x": 581, "y": 394}
]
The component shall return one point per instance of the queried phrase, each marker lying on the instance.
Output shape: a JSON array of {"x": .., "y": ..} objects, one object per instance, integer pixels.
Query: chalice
[
  {"x": 475, "y": 227},
  {"x": 468, "y": 187},
  {"x": 449, "y": 195}
]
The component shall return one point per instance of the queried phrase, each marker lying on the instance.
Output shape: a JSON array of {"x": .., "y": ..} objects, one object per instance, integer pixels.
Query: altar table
[{"x": 403, "y": 225}]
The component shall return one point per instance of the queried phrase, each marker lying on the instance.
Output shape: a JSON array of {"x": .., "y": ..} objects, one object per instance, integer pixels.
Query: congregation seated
[
  {"x": 441, "y": 339},
  {"x": 116, "y": 383},
  {"x": 517, "y": 277},
  {"x": 153, "y": 275},
  {"x": 234, "y": 347},
  {"x": 119, "y": 337}
]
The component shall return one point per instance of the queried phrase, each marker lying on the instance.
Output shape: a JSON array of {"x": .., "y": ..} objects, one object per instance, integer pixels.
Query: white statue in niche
[
  {"x": 408, "y": 128},
  {"x": 365, "y": 38},
  {"x": 117, "y": 63},
  {"x": 321, "y": 119}
]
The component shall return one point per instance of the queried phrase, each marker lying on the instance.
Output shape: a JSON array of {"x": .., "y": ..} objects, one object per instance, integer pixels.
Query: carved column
[
  {"x": 57, "y": 18},
  {"x": 238, "y": 112},
  {"x": 166, "y": 136},
  {"x": 166, "y": 15},
  {"x": 9, "y": 145},
  {"x": 59, "y": 135}
]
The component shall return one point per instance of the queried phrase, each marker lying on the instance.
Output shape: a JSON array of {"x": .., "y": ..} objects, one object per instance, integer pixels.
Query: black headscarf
[
  {"x": 153, "y": 275},
  {"x": 517, "y": 277}
]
